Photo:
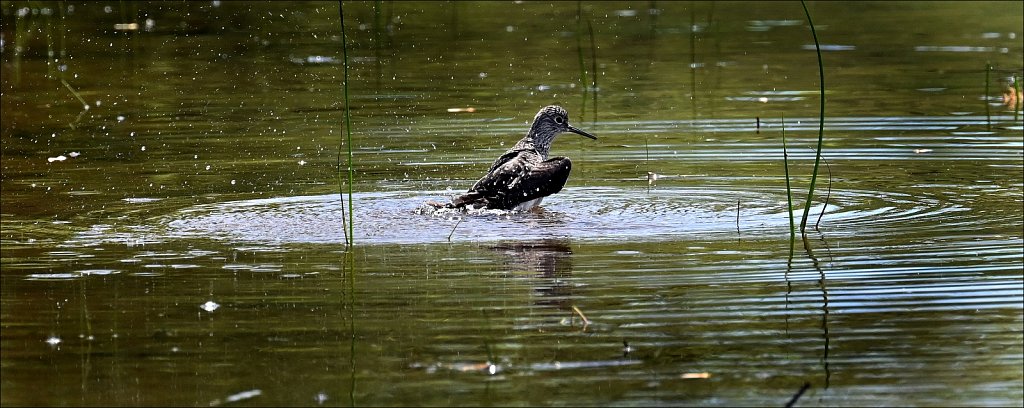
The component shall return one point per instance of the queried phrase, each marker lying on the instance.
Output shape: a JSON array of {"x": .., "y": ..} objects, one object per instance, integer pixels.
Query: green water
[{"x": 188, "y": 248}]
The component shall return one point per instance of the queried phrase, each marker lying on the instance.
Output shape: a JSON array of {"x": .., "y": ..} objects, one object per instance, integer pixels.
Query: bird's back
[{"x": 517, "y": 177}]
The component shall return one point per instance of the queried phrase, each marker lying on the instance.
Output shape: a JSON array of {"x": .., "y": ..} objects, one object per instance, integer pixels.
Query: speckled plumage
[{"x": 524, "y": 175}]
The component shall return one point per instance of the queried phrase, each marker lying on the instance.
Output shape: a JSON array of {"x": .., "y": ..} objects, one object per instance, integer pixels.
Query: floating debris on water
[
  {"x": 209, "y": 306},
  {"x": 126, "y": 26},
  {"x": 651, "y": 178},
  {"x": 315, "y": 60},
  {"x": 244, "y": 395}
]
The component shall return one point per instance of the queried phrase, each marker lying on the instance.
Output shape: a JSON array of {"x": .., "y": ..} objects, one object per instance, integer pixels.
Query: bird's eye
[{"x": 559, "y": 120}]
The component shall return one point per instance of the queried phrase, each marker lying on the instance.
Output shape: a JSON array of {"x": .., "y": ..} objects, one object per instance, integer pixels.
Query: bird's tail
[{"x": 471, "y": 198}]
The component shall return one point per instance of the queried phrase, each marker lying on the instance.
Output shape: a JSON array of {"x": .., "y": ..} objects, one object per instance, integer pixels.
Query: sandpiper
[{"x": 523, "y": 176}]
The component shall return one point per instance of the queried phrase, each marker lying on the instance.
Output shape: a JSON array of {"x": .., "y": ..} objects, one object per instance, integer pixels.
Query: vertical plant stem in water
[
  {"x": 821, "y": 121},
  {"x": 453, "y": 229},
  {"x": 341, "y": 178},
  {"x": 58, "y": 61},
  {"x": 349, "y": 235},
  {"x": 487, "y": 343},
  {"x": 789, "y": 190},
  {"x": 716, "y": 69},
  {"x": 1018, "y": 100},
  {"x": 693, "y": 63},
  {"x": 63, "y": 31},
  {"x": 51, "y": 64},
  {"x": 823, "y": 284},
  {"x": 20, "y": 32},
  {"x": 579, "y": 52},
  {"x": 828, "y": 193},
  {"x": 593, "y": 64},
  {"x": 737, "y": 216},
  {"x": 377, "y": 44},
  {"x": 647, "y": 164},
  {"x": 988, "y": 109},
  {"x": 349, "y": 304}
]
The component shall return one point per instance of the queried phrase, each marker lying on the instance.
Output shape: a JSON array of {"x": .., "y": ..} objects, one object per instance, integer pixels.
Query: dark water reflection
[{"x": 187, "y": 249}]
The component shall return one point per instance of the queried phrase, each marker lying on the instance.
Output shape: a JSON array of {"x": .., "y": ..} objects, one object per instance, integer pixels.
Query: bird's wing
[
  {"x": 517, "y": 177},
  {"x": 513, "y": 155},
  {"x": 505, "y": 172},
  {"x": 544, "y": 179}
]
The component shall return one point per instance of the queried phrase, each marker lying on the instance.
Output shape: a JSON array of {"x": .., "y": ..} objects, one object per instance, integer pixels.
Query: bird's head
[{"x": 550, "y": 122}]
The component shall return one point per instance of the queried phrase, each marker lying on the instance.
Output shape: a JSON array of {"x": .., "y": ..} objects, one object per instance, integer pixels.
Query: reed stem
[
  {"x": 593, "y": 64},
  {"x": 737, "y": 215},
  {"x": 581, "y": 315},
  {"x": 988, "y": 108},
  {"x": 789, "y": 190},
  {"x": 828, "y": 193},
  {"x": 1018, "y": 99},
  {"x": 821, "y": 121},
  {"x": 85, "y": 105},
  {"x": 350, "y": 234},
  {"x": 453, "y": 229},
  {"x": 579, "y": 53}
]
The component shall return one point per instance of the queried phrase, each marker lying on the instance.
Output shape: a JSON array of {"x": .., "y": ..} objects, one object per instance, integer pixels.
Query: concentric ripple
[{"x": 591, "y": 213}]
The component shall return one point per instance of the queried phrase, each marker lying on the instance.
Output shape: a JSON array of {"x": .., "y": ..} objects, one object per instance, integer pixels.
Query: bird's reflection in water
[{"x": 548, "y": 262}]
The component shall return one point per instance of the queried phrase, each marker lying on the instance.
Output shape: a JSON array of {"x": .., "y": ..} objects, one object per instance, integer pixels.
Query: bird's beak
[{"x": 581, "y": 133}]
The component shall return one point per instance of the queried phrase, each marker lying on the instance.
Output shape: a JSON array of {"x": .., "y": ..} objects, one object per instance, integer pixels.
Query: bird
[{"x": 524, "y": 175}]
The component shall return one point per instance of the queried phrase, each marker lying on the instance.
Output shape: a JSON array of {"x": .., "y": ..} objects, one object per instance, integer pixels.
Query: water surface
[{"x": 181, "y": 243}]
